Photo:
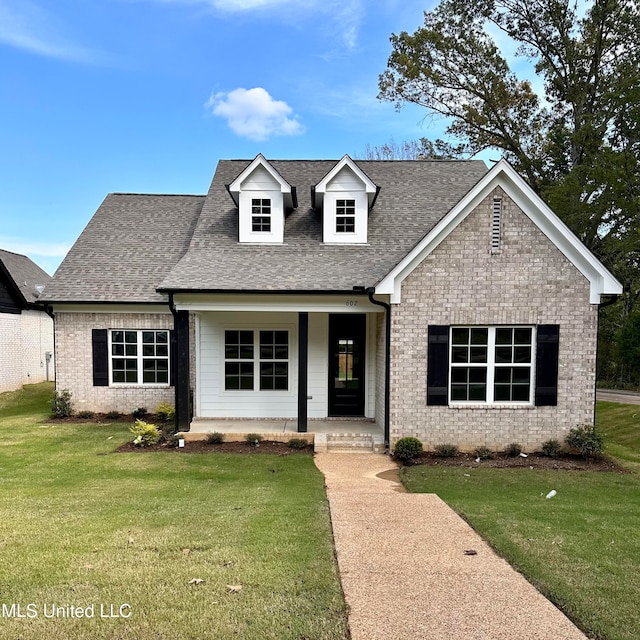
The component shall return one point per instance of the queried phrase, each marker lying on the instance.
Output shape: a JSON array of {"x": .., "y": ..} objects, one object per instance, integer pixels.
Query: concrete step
[{"x": 348, "y": 443}]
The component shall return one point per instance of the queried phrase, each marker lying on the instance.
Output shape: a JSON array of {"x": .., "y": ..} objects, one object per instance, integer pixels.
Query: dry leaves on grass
[{"x": 234, "y": 588}]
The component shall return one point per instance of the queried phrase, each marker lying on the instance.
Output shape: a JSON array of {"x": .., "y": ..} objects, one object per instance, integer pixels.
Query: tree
[
  {"x": 422, "y": 149},
  {"x": 577, "y": 141}
]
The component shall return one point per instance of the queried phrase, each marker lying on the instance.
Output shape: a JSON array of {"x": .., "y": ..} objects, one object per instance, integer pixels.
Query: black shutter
[
  {"x": 547, "y": 344},
  {"x": 172, "y": 358},
  {"x": 438, "y": 365},
  {"x": 100, "y": 357}
]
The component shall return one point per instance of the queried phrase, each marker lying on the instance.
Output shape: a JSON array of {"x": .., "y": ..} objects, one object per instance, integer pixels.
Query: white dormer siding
[
  {"x": 262, "y": 196},
  {"x": 345, "y": 195},
  {"x": 261, "y": 208}
]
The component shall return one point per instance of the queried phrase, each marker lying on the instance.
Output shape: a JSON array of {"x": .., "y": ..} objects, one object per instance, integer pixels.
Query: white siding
[
  {"x": 345, "y": 180},
  {"x": 214, "y": 402}
]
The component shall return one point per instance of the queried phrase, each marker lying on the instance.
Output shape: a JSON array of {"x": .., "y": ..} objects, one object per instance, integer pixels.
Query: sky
[{"x": 145, "y": 96}]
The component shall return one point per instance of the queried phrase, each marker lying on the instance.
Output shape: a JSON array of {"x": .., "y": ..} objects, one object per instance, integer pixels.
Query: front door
[{"x": 347, "y": 335}]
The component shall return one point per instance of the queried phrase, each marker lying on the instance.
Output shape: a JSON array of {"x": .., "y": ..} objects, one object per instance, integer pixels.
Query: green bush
[
  {"x": 446, "y": 450},
  {"x": 85, "y": 414},
  {"x": 297, "y": 443},
  {"x": 146, "y": 434},
  {"x": 165, "y": 412},
  {"x": 407, "y": 449},
  {"x": 513, "y": 450},
  {"x": 551, "y": 448},
  {"x": 586, "y": 440},
  {"x": 113, "y": 415},
  {"x": 484, "y": 453},
  {"x": 61, "y": 406},
  {"x": 214, "y": 438},
  {"x": 140, "y": 412},
  {"x": 253, "y": 438}
]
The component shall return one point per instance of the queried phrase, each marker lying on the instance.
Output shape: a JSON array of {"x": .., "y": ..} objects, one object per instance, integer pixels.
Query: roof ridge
[{"x": 158, "y": 195}]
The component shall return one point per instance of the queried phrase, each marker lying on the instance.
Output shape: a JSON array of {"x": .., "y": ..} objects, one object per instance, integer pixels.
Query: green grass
[
  {"x": 580, "y": 548},
  {"x": 81, "y": 525}
]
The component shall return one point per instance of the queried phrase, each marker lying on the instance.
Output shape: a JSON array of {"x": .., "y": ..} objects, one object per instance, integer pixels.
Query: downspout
[
  {"x": 49, "y": 311},
  {"x": 613, "y": 299},
  {"x": 387, "y": 362},
  {"x": 174, "y": 363}
]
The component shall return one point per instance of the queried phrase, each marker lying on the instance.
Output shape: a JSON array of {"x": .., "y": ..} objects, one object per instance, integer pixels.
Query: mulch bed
[
  {"x": 563, "y": 462},
  {"x": 201, "y": 446},
  {"x": 103, "y": 418}
]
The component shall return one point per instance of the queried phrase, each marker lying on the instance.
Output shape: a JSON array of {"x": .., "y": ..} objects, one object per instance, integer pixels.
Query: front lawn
[
  {"x": 82, "y": 526},
  {"x": 579, "y": 548}
]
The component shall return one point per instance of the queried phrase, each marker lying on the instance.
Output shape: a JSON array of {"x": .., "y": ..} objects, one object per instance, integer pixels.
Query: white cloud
[
  {"x": 24, "y": 25},
  {"x": 46, "y": 255},
  {"x": 254, "y": 114}
]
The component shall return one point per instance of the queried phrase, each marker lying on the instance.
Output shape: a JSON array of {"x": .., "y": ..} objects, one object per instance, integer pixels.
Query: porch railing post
[{"x": 303, "y": 359}]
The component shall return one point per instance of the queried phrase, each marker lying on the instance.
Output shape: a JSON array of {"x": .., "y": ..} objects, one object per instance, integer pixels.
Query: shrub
[
  {"x": 513, "y": 450},
  {"x": 85, "y": 414},
  {"x": 586, "y": 440},
  {"x": 113, "y": 415},
  {"x": 61, "y": 406},
  {"x": 483, "y": 453},
  {"x": 140, "y": 412},
  {"x": 146, "y": 434},
  {"x": 551, "y": 448},
  {"x": 165, "y": 412},
  {"x": 214, "y": 438},
  {"x": 297, "y": 443},
  {"x": 407, "y": 449},
  {"x": 446, "y": 450},
  {"x": 253, "y": 438}
]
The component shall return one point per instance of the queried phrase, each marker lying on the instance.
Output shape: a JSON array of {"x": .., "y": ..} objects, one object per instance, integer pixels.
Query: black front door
[{"x": 347, "y": 334}]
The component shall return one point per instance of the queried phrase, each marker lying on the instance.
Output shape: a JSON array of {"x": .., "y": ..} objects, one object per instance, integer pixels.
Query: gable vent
[{"x": 496, "y": 221}]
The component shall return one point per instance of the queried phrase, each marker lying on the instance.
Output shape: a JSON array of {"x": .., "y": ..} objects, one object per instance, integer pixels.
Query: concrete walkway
[{"x": 404, "y": 570}]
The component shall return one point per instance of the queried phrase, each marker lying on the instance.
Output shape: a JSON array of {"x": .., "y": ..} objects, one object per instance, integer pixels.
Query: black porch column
[
  {"x": 303, "y": 359},
  {"x": 181, "y": 370}
]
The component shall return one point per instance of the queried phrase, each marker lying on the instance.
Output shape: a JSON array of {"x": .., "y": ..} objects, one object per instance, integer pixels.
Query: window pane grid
[
  {"x": 345, "y": 216},
  {"x": 261, "y": 214},
  {"x": 491, "y": 364},
  {"x": 139, "y": 357}
]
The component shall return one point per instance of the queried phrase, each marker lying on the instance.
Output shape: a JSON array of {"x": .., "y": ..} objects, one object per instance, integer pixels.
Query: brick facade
[
  {"x": 75, "y": 366},
  {"x": 528, "y": 281},
  {"x": 25, "y": 339}
]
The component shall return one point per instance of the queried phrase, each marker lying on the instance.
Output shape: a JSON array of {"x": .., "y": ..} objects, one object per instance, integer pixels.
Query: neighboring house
[
  {"x": 26, "y": 331},
  {"x": 441, "y": 300}
]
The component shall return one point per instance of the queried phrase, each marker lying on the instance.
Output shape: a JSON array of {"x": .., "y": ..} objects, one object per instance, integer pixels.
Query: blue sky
[{"x": 146, "y": 96}]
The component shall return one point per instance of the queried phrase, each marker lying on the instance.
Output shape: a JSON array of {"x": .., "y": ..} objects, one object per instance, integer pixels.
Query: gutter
[{"x": 387, "y": 363}]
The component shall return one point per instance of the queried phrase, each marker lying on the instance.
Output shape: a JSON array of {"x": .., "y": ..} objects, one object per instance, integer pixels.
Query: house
[
  {"x": 26, "y": 331},
  {"x": 439, "y": 299}
]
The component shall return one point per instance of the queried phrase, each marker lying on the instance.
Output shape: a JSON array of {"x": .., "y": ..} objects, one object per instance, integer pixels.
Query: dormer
[
  {"x": 262, "y": 196},
  {"x": 345, "y": 196}
]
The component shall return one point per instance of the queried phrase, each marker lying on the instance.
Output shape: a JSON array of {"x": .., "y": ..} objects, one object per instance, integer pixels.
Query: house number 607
[{"x": 352, "y": 303}]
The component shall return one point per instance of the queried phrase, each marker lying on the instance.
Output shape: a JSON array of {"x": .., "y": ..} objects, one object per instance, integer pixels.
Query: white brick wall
[
  {"x": 24, "y": 340},
  {"x": 75, "y": 366},
  {"x": 528, "y": 282}
]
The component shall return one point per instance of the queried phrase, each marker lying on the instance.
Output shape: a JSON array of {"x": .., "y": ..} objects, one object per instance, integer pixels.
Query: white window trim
[
  {"x": 256, "y": 360},
  {"x": 491, "y": 366},
  {"x": 140, "y": 360}
]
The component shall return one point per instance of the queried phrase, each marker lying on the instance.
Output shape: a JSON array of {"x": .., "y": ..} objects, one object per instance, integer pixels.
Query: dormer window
[
  {"x": 345, "y": 195},
  {"x": 345, "y": 216},
  {"x": 262, "y": 196},
  {"x": 261, "y": 215}
]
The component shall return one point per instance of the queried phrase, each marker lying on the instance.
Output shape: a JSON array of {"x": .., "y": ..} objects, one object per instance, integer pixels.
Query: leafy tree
[{"x": 577, "y": 142}]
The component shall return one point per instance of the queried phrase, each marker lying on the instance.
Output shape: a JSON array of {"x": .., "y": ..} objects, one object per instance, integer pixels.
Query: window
[
  {"x": 345, "y": 216},
  {"x": 139, "y": 357},
  {"x": 261, "y": 214},
  {"x": 491, "y": 364},
  {"x": 256, "y": 355}
]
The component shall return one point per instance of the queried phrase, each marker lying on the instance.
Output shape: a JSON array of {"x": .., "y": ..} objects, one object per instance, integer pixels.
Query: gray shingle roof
[
  {"x": 127, "y": 248},
  {"x": 25, "y": 273},
  {"x": 136, "y": 244},
  {"x": 414, "y": 195}
]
